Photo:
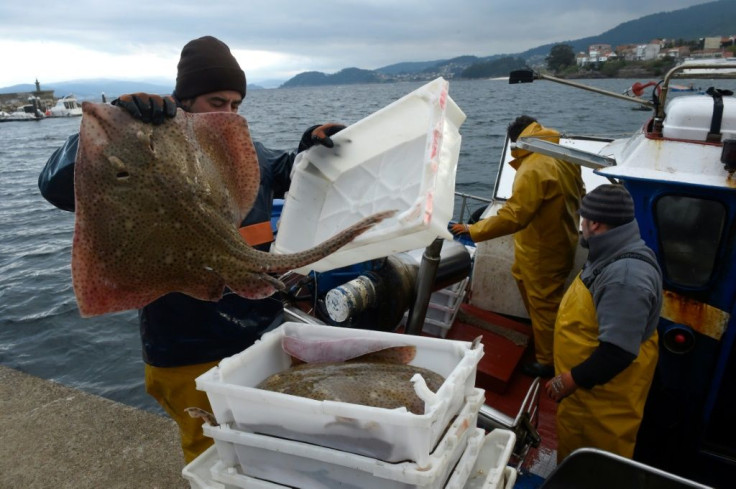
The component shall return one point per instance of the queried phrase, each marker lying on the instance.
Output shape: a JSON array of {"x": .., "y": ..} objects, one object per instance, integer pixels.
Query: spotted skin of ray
[
  {"x": 158, "y": 209},
  {"x": 369, "y": 383}
]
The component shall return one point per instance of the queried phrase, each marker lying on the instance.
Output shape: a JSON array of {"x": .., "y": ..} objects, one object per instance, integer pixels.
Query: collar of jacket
[
  {"x": 535, "y": 130},
  {"x": 614, "y": 242}
]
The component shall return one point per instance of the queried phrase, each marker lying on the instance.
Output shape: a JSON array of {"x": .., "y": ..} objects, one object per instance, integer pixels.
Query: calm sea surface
[{"x": 41, "y": 331}]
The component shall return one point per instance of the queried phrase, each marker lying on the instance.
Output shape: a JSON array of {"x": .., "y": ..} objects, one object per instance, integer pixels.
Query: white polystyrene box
[
  {"x": 689, "y": 117},
  {"x": 402, "y": 157},
  {"x": 489, "y": 471},
  {"x": 307, "y": 466},
  {"x": 393, "y": 435}
]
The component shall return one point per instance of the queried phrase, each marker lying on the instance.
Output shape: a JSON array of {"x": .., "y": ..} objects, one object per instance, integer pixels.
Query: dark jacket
[{"x": 177, "y": 329}]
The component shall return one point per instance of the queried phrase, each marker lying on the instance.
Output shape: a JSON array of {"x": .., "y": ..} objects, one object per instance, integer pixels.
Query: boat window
[{"x": 690, "y": 230}]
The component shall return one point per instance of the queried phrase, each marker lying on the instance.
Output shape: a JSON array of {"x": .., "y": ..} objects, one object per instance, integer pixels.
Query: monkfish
[
  {"x": 380, "y": 377},
  {"x": 158, "y": 210}
]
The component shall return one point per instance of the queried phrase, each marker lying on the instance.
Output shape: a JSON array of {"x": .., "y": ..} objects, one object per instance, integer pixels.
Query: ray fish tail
[{"x": 274, "y": 263}]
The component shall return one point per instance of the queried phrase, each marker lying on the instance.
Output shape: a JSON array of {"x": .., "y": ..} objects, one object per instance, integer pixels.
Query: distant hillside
[
  {"x": 708, "y": 19},
  {"x": 409, "y": 67},
  {"x": 93, "y": 89},
  {"x": 490, "y": 69},
  {"x": 348, "y": 76},
  {"x": 705, "y": 20}
]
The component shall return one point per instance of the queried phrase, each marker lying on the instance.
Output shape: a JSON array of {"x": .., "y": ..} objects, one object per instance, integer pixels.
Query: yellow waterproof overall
[
  {"x": 174, "y": 388},
  {"x": 607, "y": 416},
  {"x": 542, "y": 215}
]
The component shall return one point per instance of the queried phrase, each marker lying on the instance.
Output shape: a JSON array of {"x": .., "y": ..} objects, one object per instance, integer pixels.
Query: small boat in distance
[
  {"x": 685, "y": 88},
  {"x": 65, "y": 107},
  {"x": 28, "y": 112}
]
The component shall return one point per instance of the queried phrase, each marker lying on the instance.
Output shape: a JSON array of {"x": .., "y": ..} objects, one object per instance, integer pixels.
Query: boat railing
[
  {"x": 685, "y": 70},
  {"x": 690, "y": 70},
  {"x": 466, "y": 207}
]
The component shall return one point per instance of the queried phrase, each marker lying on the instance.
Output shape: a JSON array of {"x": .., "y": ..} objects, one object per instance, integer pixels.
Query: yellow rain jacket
[
  {"x": 542, "y": 212},
  {"x": 608, "y": 415}
]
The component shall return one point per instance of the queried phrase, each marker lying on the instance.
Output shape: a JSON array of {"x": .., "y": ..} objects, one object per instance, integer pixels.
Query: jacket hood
[{"x": 535, "y": 130}]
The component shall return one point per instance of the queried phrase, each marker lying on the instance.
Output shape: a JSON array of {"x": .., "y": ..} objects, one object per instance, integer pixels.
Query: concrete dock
[{"x": 56, "y": 437}]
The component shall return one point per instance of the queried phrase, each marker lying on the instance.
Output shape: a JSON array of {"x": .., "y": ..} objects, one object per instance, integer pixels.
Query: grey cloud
[{"x": 330, "y": 34}]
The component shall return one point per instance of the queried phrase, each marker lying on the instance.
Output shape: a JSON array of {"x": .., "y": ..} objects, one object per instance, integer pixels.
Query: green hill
[
  {"x": 705, "y": 20},
  {"x": 348, "y": 76}
]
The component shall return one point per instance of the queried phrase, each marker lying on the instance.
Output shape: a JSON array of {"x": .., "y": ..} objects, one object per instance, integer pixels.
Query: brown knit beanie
[
  {"x": 609, "y": 204},
  {"x": 206, "y": 65}
]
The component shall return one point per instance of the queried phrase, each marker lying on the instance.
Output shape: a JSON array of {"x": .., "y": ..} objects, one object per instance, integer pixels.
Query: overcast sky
[{"x": 55, "y": 40}]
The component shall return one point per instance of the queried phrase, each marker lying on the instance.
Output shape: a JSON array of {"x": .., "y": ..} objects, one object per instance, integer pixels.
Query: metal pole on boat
[
  {"x": 425, "y": 279},
  {"x": 528, "y": 76}
]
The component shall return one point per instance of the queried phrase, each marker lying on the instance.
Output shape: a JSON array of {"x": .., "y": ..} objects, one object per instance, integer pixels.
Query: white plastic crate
[
  {"x": 463, "y": 469},
  {"x": 442, "y": 309},
  {"x": 402, "y": 157},
  {"x": 236, "y": 480},
  {"x": 509, "y": 477},
  {"x": 392, "y": 435},
  {"x": 199, "y": 474},
  {"x": 307, "y": 466},
  {"x": 489, "y": 471}
]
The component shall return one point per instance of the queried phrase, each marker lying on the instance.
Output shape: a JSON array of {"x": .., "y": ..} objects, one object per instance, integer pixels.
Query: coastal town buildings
[{"x": 712, "y": 47}]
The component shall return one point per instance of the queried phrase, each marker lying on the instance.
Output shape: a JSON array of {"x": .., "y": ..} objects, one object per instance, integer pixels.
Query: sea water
[{"x": 41, "y": 331}]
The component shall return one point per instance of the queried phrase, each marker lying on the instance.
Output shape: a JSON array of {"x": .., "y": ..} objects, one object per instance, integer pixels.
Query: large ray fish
[
  {"x": 354, "y": 370},
  {"x": 158, "y": 210}
]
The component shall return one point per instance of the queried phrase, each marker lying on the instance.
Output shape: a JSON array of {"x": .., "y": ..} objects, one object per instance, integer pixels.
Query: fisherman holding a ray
[{"x": 183, "y": 337}]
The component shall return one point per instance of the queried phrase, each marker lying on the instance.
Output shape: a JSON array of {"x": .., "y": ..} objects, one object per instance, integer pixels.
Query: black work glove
[
  {"x": 319, "y": 135},
  {"x": 147, "y": 107}
]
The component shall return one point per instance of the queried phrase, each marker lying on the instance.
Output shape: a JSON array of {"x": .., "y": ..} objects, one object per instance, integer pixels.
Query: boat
[
  {"x": 684, "y": 88},
  {"x": 20, "y": 114},
  {"x": 65, "y": 107},
  {"x": 679, "y": 166},
  {"x": 29, "y": 112}
]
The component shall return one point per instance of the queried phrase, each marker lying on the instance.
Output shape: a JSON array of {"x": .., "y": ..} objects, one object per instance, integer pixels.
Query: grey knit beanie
[
  {"x": 206, "y": 65},
  {"x": 609, "y": 204}
]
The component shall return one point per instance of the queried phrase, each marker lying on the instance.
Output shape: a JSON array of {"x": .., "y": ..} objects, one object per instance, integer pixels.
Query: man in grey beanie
[
  {"x": 605, "y": 344},
  {"x": 183, "y": 337}
]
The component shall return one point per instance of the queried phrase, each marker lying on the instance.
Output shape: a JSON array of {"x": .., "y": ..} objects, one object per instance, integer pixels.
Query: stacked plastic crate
[
  {"x": 268, "y": 439},
  {"x": 442, "y": 309}
]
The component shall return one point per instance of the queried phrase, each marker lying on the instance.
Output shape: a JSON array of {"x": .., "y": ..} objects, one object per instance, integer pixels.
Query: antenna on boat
[{"x": 528, "y": 76}]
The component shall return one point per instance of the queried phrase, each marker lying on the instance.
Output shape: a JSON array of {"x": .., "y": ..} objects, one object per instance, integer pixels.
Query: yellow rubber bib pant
[
  {"x": 541, "y": 295},
  {"x": 175, "y": 390},
  {"x": 607, "y": 416}
]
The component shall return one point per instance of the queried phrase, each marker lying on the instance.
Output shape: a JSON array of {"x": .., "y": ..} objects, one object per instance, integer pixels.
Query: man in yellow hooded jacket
[{"x": 542, "y": 215}]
